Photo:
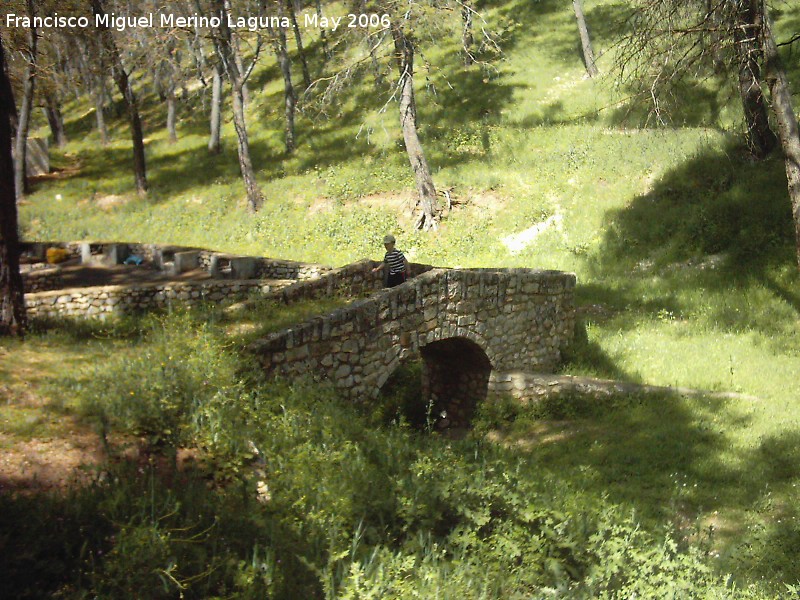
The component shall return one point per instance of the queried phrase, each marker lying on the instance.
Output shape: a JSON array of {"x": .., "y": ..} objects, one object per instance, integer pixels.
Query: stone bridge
[{"x": 477, "y": 331}]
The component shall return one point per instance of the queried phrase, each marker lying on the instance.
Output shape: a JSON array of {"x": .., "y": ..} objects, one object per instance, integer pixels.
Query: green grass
[
  {"x": 23, "y": 423},
  {"x": 718, "y": 471},
  {"x": 683, "y": 250},
  {"x": 348, "y": 498}
]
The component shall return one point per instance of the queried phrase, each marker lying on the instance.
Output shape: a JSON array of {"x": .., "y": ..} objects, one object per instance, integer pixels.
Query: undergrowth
[
  {"x": 300, "y": 494},
  {"x": 685, "y": 260}
]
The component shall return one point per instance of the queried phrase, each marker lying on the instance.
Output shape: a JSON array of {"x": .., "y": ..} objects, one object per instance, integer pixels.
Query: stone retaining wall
[
  {"x": 353, "y": 281},
  {"x": 268, "y": 268},
  {"x": 100, "y": 302},
  {"x": 42, "y": 280},
  {"x": 164, "y": 257},
  {"x": 311, "y": 282}
]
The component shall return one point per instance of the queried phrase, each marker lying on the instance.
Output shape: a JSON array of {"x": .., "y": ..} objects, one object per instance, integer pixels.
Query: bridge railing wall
[
  {"x": 521, "y": 319},
  {"x": 46, "y": 297}
]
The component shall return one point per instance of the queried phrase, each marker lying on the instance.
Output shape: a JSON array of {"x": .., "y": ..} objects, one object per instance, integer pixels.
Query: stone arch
[
  {"x": 456, "y": 372},
  {"x": 438, "y": 335},
  {"x": 399, "y": 356}
]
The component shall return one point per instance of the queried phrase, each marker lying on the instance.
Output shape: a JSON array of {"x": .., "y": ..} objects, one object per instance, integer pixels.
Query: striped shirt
[{"x": 395, "y": 261}]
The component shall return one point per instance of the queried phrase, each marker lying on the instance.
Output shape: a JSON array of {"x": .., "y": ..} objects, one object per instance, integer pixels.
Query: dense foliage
[{"x": 302, "y": 495}]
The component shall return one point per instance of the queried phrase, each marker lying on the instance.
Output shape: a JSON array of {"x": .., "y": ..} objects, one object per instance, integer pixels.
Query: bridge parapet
[{"x": 519, "y": 319}]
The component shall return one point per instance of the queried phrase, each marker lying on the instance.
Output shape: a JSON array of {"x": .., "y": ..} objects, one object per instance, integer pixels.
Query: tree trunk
[
  {"x": 12, "y": 296},
  {"x": 254, "y": 196},
  {"x": 131, "y": 104},
  {"x": 323, "y": 38},
  {"x": 299, "y": 41},
  {"x": 56, "y": 121},
  {"x": 237, "y": 56},
  {"x": 26, "y": 108},
  {"x": 99, "y": 94},
  {"x": 172, "y": 113},
  {"x": 586, "y": 42},
  {"x": 466, "y": 32},
  {"x": 214, "y": 142},
  {"x": 137, "y": 135},
  {"x": 788, "y": 132},
  {"x": 290, "y": 100},
  {"x": 226, "y": 50},
  {"x": 13, "y": 116},
  {"x": 761, "y": 140},
  {"x": 408, "y": 122}
]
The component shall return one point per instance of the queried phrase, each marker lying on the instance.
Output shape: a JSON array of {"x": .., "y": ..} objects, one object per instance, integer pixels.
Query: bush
[
  {"x": 157, "y": 390},
  {"x": 496, "y": 413},
  {"x": 315, "y": 500}
]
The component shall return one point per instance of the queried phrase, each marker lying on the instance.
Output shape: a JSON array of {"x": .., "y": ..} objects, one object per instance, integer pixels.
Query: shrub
[
  {"x": 157, "y": 389},
  {"x": 495, "y": 413}
]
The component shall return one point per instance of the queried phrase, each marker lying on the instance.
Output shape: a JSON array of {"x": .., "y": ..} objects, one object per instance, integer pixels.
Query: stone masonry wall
[
  {"x": 42, "y": 280},
  {"x": 520, "y": 318},
  {"x": 103, "y": 301},
  {"x": 159, "y": 254},
  {"x": 353, "y": 280},
  {"x": 270, "y": 268}
]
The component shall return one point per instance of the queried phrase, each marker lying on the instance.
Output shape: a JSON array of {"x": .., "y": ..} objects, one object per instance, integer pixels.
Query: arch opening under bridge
[{"x": 440, "y": 387}]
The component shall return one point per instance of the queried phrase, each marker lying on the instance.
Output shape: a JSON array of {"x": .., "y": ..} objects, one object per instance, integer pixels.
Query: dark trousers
[{"x": 395, "y": 279}]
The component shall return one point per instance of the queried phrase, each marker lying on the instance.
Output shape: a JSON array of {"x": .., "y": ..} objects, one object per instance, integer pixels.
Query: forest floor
[
  {"x": 47, "y": 449},
  {"x": 61, "y": 452}
]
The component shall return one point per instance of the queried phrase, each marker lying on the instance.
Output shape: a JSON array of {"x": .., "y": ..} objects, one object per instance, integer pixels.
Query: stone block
[
  {"x": 186, "y": 261},
  {"x": 350, "y": 346},
  {"x": 214, "y": 268},
  {"x": 243, "y": 267},
  {"x": 115, "y": 254},
  {"x": 298, "y": 353},
  {"x": 342, "y": 372},
  {"x": 86, "y": 253},
  {"x": 163, "y": 258}
]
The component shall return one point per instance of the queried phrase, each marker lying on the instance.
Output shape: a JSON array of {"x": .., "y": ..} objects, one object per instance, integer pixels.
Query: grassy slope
[{"x": 684, "y": 244}]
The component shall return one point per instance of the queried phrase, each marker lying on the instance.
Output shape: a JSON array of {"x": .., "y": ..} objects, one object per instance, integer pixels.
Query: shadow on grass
[
  {"x": 175, "y": 173},
  {"x": 691, "y": 103},
  {"x": 668, "y": 458},
  {"x": 782, "y": 291},
  {"x": 717, "y": 203},
  {"x": 61, "y": 543},
  {"x": 586, "y": 356}
]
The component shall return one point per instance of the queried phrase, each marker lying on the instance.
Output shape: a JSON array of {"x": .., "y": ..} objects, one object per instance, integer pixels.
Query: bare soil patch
[{"x": 50, "y": 463}]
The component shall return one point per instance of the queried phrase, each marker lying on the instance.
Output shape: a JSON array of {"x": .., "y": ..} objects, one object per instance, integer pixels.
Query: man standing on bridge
[{"x": 395, "y": 262}]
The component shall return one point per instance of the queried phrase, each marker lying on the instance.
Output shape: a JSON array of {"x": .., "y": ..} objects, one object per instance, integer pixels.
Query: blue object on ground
[{"x": 134, "y": 259}]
